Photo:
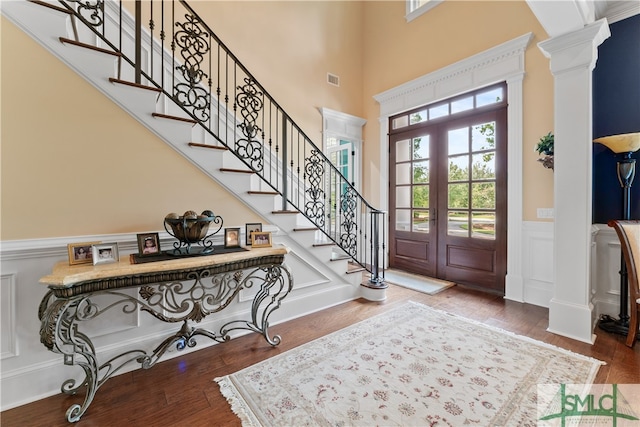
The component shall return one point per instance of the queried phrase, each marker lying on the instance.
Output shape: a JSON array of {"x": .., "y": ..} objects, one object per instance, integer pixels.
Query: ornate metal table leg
[
  {"x": 59, "y": 333},
  {"x": 276, "y": 278}
]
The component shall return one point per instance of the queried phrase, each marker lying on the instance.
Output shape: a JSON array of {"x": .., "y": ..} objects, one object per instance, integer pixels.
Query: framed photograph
[
  {"x": 250, "y": 228},
  {"x": 80, "y": 253},
  {"x": 232, "y": 237},
  {"x": 105, "y": 253},
  {"x": 261, "y": 239},
  {"x": 148, "y": 244}
]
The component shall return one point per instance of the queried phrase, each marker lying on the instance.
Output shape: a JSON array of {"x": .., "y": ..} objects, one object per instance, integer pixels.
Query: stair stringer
[{"x": 46, "y": 25}]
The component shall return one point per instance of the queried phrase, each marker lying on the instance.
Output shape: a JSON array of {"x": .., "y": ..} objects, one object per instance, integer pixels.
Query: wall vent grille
[{"x": 332, "y": 79}]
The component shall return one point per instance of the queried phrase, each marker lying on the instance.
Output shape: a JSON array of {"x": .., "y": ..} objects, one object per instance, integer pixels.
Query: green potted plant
[{"x": 545, "y": 147}]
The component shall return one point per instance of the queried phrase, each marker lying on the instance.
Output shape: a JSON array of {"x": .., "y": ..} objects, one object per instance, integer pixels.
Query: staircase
[{"x": 183, "y": 84}]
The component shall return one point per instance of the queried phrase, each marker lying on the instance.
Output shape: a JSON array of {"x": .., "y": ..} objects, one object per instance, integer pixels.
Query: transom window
[{"x": 492, "y": 96}]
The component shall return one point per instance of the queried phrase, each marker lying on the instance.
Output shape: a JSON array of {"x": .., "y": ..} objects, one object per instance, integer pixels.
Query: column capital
[{"x": 575, "y": 50}]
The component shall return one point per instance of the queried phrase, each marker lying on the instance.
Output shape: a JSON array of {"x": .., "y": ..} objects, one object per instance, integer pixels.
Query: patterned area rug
[
  {"x": 427, "y": 285},
  {"x": 411, "y": 366}
]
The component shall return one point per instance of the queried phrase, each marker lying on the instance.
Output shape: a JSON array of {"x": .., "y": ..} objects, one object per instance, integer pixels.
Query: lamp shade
[{"x": 624, "y": 143}]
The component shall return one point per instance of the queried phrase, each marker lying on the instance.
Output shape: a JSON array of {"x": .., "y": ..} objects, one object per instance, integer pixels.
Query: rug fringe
[
  {"x": 521, "y": 337},
  {"x": 237, "y": 403}
]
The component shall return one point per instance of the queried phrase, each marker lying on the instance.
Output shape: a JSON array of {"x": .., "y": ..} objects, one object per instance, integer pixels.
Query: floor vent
[{"x": 332, "y": 79}]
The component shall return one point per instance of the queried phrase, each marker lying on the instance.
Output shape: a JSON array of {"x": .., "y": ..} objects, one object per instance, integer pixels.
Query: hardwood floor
[{"x": 181, "y": 391}]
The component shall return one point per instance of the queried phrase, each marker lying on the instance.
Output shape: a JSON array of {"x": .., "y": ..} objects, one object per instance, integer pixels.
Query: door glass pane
[
  {"x": 403, "y": 197},
  {"x": 484, "y": 166},
  {"x": 421, "y": 196},
  {"x": 421, "y": 172},
  {"x": 421, "y": 221},
  {"x": 458, "y": 196},
  {"x": 459, "y": 168},
  {"x": 483, "y": 195},
  {"x": 458, "y": 141},
  {"x": 483, "y": 225},
  {"x": 403, "y": 218},
  {"x": 463, "y": 104},
  {"x": 421, "y": 147},
  {"x": 403, "y": 153},
  {"x": 403, "y": 173},
  {"x": 458, "y": 223},
  {"x": 483, "y": 137}
]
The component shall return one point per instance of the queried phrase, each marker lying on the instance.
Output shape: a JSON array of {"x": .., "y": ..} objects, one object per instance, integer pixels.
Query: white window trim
[
  {"x": 413, "y": 12},
  {"x": 504, "y": 62}
]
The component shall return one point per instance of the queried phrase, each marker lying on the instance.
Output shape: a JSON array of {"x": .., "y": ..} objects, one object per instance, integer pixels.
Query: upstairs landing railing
[{"x": 167, "y": 45}]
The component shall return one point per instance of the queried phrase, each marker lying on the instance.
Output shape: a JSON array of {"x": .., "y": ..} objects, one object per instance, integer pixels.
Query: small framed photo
[
  {"x": 148, "y": 244},
  {"x": 80, "y": 253},
  {"x": 232, "y": 237},
  {"x": 261, "y": 239},
  {"x": 250, "y": 228},
  {"x": 105, "y": 253}
]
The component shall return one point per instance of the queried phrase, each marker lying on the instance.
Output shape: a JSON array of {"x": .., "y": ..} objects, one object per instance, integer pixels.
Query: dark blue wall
[{"x": 616, "y": 110}]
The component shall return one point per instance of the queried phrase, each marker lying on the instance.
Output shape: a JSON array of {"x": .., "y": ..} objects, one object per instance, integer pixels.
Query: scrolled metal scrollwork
[
  {"x": 92, "y": 12},
  {"x": 249, "y": 101},
  {"x": 193, "y": 45},
  {"x": 314, "y": 172},
  {"x": 348, "y": 237}
]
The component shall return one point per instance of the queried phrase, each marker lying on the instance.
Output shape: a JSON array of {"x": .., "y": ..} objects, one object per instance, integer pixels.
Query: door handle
[{"x": 433, "y": 215}]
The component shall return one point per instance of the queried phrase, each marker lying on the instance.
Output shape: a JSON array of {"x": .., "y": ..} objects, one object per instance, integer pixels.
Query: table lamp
[{"x": 625, "y": 144}]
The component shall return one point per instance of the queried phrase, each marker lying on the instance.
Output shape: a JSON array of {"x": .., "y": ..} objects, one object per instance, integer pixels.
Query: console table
[{"x": 181, "y": 290}]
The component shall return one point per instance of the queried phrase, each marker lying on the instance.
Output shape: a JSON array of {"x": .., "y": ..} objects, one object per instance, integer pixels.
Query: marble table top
[{"x": 65, "y": 275}]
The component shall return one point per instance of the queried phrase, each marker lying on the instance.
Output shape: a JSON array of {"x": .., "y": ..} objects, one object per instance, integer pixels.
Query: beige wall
[
  {"x": 397, "y": 52},
  {"x": 290, "y": 46},
  {"x": 73, "y": 163}
]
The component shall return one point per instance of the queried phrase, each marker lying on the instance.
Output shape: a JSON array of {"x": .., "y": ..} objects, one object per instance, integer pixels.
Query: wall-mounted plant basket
[{"x": 545, "y": 147}]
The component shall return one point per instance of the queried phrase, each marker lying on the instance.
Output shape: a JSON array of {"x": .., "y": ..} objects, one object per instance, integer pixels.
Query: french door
[{"x": 448, "y": 198}]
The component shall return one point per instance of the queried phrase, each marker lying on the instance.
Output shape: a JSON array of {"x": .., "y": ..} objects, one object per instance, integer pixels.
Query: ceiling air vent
[{"x": 332, "y": 79}]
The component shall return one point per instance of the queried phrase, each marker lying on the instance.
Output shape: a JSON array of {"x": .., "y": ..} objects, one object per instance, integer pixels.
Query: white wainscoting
[
  {"x": 605, "y": 287},
  {"x": 538, "y": 267},
  {"x": 31, "y": 372},
  {"x": 537, "y": 258}
]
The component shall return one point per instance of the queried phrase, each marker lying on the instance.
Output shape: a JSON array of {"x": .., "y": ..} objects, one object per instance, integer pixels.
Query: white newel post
[{"x": 572, "y": 58}]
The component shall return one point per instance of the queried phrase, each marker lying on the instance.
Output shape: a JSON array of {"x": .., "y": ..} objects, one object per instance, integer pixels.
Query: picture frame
[
  {"x": 80, "y": 253},
  {"x": 232, "y": 237},
  {"x": 148, "y": 244},
  {"x": 261, "y": 239},
  {"x": 250, "y": 228},
  {"x": 105, "y": 253}
]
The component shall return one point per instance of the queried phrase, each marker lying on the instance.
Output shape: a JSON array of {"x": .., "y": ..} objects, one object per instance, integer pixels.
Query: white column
[{"x": 573, "y": 57}]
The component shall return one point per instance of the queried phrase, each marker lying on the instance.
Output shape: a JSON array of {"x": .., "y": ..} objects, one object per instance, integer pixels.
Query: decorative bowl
[{"x": 192, "y": 228}]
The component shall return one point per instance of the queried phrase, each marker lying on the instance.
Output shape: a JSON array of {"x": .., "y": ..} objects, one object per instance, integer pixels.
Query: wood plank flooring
[{"x": 181, "y": 391}]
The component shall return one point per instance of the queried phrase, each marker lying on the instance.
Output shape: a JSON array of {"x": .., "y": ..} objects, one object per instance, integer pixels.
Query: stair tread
[
  {"x": 265, "y": 193},
  {"x": 284, "y": 212},
  {"x": 306, "y": 229},
  {"x": 178, "y": 118},
  {"x": 324, "y": 244},
  {"x": 236, "y": 170},
  {"x": 213, "y": 147},
  {"x": 133, "y": 84},
  {"x": 88, "y": 46}
]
